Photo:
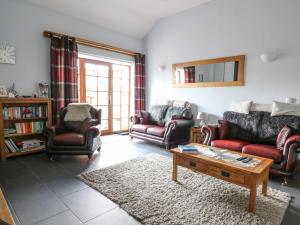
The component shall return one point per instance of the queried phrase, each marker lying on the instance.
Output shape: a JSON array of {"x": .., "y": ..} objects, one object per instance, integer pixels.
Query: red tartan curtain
[
  {"x": 64, "y": 77},
  {"x": 139, "y": 87},
  {"x": 189, "y": 74}
]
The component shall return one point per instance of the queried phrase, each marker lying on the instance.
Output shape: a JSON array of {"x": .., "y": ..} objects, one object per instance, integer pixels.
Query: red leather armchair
[{"x": 74, "y": 138}]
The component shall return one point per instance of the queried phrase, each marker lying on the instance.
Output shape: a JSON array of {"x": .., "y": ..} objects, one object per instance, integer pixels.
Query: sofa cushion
[
  {"x": 141, "y": 127},
  {"x": 235, "y": 145},
  {"x": 174, "y": 112},
  {"x": 156, "y": 131},
  {"x": 86, "y": 124},
  {"x": 283, "y": 135},
  {"x": 158, "y": 113},
  {"x": 224, "y": 129},
  {"x": 71, "y": 138},
  {"x": 145, "y": 117},
  {"x": 243, "y": 126},
  {"x": 73, "y": 126},
  {"x": 77, "y": 112},
  {"x": 267, "y": 151}
]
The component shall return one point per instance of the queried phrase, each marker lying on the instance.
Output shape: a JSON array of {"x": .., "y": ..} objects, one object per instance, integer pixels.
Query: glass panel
[
  {"x": 116, "y": 84},
  {"x": 125, "y": 85},
  {"x": 124, "y": 123},
  {"x": 116, "y": 111},
  {"x": 125, "y": 72},
  {"x": 104, "y": 124},
  {"x": 104, "y": 112},
  {"x": 90, "y": 69},
  {"x": 91, "y": 97},
  {"x": 91, "y": 83},
  {"x": 116, "y": 124},
  {"x": 103, "y": 71},
  {"x": 124, "y": 111},
  {"x": 103, "y": 98},
  {"x": 124, "y": 98},
  {"x": 102, "y": 84},
  {"x": 117, "y": 98}
]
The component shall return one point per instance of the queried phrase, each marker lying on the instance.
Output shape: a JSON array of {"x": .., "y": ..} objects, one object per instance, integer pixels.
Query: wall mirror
[{"x": 218, "y": 72}]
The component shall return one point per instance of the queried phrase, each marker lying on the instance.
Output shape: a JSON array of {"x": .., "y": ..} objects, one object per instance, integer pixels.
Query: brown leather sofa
[
  {"x": 258, "y": 133},
  {"x": 167, "y": 125},
  {"x": 75, "y": 138}
]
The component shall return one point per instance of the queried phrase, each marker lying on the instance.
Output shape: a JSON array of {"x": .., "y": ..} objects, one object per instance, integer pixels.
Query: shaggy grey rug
[{"x": 143, "y": 187}]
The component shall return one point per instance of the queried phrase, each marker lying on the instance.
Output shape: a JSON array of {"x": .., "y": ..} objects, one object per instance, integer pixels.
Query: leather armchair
[{"x": 68, "y": 138}]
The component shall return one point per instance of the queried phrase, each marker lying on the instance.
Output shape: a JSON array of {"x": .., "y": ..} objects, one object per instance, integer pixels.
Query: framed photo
[
  {"x": 7, "y": 54},
  {"x": 43, "y": 90},
  {"x": 3, "y": 92}
]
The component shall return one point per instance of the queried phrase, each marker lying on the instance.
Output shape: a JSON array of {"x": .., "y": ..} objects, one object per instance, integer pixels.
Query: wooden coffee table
[{"x": 249, "y": 177}]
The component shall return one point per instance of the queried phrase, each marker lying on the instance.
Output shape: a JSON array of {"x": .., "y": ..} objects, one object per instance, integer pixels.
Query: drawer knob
[
  {"x": 193, "y": 164},
  {"x": 225, "y": 174}
]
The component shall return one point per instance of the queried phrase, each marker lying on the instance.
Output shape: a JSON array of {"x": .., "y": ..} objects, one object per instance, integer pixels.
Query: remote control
[
  {"x": 241, "y": 158},
  {"x": 248, "y": 159}
]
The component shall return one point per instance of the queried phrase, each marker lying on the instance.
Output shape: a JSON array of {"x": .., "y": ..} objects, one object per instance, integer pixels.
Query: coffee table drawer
[
  {"x": 191, "y": 164},
  {"x": 234, "y": 177}
]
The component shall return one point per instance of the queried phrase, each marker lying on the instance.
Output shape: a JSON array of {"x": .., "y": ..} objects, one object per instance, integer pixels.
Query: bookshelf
[{"x": 21, "y": 125}]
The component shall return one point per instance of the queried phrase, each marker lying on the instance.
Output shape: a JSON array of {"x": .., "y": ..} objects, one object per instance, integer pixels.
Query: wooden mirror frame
[{"x": 239, "y": 82}]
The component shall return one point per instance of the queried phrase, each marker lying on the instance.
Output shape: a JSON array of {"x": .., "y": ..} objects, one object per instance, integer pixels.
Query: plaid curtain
[
  {"x": 64, "y": 80},
  {"x": 139, "y": 87},
  {"x": 189, "y": 74}
]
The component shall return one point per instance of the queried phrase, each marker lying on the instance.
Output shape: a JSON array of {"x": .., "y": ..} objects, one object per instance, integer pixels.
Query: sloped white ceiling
[{"x": 131, "y": 17}]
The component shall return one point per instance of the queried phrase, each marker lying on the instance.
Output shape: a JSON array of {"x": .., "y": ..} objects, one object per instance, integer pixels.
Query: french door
[{"x": 106, "y": 85}]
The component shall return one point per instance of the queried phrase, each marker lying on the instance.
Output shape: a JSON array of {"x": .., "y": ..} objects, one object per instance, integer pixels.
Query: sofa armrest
[
  {"x": 135, "y": 119},
  {"x": 53, "y": 130},
  {"x": 94, "y": 131},
  {"x": 182, "y": 123},
  {"x": 290, "y": 151},
  {"x": 211, "y": 133}
]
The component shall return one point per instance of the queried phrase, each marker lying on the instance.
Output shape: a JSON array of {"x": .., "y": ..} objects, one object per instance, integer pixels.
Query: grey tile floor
[{"x": 42, "y": 192}]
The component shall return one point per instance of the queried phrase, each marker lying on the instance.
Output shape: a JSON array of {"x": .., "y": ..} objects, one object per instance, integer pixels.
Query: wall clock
[{"x": 7, "y": 54}]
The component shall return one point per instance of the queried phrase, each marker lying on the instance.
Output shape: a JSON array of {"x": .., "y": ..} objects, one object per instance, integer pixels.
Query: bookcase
[{"x": 22, "y": 121}]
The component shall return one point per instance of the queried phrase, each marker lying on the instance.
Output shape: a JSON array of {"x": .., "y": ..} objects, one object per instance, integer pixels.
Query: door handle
[{"x": 109, "y": 99}]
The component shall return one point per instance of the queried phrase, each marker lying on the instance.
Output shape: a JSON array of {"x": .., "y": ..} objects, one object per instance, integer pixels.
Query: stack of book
[
  {"x": 30, "y": 127},
  {"x": 11, "y": 146},
  {"x": 188, "y": 148},
  {"x": 9, "y": 131},
  {"x": 18, "y": 112}
]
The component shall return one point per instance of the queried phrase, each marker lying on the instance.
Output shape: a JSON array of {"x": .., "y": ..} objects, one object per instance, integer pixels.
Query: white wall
[
  {"x": 22, "y": 24},
  {"x": 226, "y": 28}
]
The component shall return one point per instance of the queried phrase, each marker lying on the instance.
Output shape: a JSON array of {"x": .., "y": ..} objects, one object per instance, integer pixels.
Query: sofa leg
[
  {"x": 167, "y": 147},
  {"x": 285, "y": 182},
  {"x": 90, "y": 156},
  {"x": 98, "y": 149},
  {"x": 131, "y": 138},
  {"x": 51, "y": 157}
]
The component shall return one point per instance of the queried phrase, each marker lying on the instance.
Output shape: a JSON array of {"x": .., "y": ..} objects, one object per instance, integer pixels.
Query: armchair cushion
[
  {"x": 156, "y": 131},
  {"x": 71, "y": 138},
  {"x": 268, "y": 151},
  {"x": 86, "y": 124},
  {"x": 235, "y": 145},
  {"x": 224, "y": 129},
  {"x": 283, "y": 135}
]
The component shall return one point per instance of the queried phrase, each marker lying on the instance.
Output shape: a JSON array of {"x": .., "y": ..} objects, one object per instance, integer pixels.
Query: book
[{"x": 187, "y": 148}]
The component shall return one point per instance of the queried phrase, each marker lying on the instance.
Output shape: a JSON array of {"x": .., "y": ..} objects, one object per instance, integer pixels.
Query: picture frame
[
  {"x": 3, "y": 92},
  {"x": 43, "y": 90}
]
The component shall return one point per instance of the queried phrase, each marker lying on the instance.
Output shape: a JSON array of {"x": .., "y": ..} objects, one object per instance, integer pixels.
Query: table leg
[
  {"x": 252, "y": 198},
  {"x": 265, "y": 184},
  {"x": 174, "y": 174}
]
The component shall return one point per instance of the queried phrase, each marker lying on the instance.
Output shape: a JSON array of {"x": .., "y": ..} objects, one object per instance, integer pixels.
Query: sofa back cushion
[
  {"x": 243, "y": 126},
  {"x": 283, "y": 135},
  {"x": 158, "y": 113},
  {"x": 271, "y": 125},
  {"x": 178, "y": 113},
  {"x": 224, "y": 129}
]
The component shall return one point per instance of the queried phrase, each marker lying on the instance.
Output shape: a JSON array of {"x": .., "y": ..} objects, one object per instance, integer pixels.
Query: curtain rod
[{"x": 89, "y": 43}]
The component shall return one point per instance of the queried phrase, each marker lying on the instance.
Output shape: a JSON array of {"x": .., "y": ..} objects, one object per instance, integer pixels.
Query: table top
[{"x": 265, "y": 162}]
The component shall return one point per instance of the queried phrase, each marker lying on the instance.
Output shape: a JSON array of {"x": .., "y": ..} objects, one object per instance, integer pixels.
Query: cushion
[
  {"x": 240, "y": 107},
  {"x": 86, "y": 124},
  {"x": 157, "y": 114},
  {"x": 72, "y": 125},
  {"x": 281, "y": 108},
  {"x": 77, "y": 112},
  {"x": 283, "y": 135},
  {"x": 140, "y": 127},
  {"x": 235, "y": 145},
  {"x": 224, "y": 129},
  {"x": 145, "y": 117},
  {"x": 181, "y": 104},
  {"x": 176, "y": 112},
  {"x": 267, "y": 151},
  {"x": 156, "y": 131},
  {"x": 71, "y": 138},
  {"x": 163, "y": 102},
  {"x": 261, "y": 107}
]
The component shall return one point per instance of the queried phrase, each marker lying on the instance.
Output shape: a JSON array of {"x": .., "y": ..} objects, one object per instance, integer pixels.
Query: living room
[{"x": 153, "y": 61}]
